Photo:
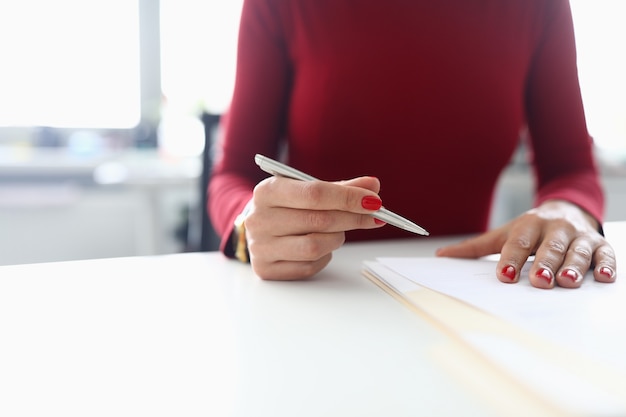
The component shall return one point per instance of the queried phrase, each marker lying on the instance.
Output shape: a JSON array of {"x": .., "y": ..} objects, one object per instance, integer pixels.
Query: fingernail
[
  {"x": 509, "y": 272},
  {"x": 545, "y": 274},
  {"x": 371, "y": 203},
  {"x": 378, "y": 221},
  {"x": 571, "y": 274},
  {"x": 606, "y": 271}
]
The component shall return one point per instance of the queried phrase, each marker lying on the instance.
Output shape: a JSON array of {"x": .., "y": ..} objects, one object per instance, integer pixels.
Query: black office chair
[{"x": 209, "y": 240}]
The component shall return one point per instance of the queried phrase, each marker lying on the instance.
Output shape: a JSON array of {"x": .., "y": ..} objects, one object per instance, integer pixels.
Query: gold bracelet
[{"x": 239, "y": 242}]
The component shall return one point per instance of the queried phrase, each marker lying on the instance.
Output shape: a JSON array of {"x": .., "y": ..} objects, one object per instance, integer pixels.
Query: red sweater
[{"x": 428, "y": 96}]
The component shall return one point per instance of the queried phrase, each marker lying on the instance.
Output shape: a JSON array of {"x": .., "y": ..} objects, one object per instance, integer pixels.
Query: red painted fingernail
[
  {"x": 371, "y": 203},
  {"x": 606, "y": 271},
  {"x": 571, "y": 274},
  {"x": 544, "y": 274},
  {"x": 509, "y": 272},
  {"x": 378, "y": 221}
]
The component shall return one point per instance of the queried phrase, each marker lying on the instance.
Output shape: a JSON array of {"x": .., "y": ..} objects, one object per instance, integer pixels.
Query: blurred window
[
  {"x": 70, "y": 63},
  {"x": 198, "y": 53},
  {"x": 76, "y": 63},
  {"x": 601, "y": 47}
]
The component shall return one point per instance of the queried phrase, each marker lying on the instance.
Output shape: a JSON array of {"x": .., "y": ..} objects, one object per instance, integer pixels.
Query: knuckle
[
  {"x": 264, "y": 274},
  {"x": 364, "y": 221},
  {"x": 521, "y": 242},
  {"x": 263, "y": 270},
  {"x": 556, "y": 246},
  {"x": 308, "y": 269},
  {"x": 251, "y": 221},
  {"x": 318, "y": 221},
  {"x": 351, "y": 200},
  {"x": 348, "y": 201},
  {"x": 258, "y": 225},
  {"x": 310, "y": 247},
  {"x": 263, "y": 188},
  {"x": 313, "y": 247},
  {"x": 258, "y": 252},
  {"x": 312, "y": 192},
  {"x": 565, "y": 226},
  {"x": 582, "y": 251},
  {"x": 606, "y": 252}
]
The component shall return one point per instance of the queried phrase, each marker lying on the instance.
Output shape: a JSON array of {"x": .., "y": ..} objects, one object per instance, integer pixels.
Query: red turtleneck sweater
[{"x": 428, "y": 96}]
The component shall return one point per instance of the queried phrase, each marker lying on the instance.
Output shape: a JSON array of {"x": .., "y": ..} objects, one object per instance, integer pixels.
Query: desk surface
[{"x": 199, "y": 335}]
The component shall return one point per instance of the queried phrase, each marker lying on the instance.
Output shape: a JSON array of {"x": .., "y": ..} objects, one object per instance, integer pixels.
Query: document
[{"x": 564, "y": 341}]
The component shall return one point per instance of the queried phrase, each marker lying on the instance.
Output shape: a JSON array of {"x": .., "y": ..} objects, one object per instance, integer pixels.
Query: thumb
[
  {"x": 486, "y": 244},
  {"x": 369, "y": 183}
]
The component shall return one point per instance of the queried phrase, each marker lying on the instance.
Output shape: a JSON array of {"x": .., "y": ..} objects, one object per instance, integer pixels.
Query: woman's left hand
[{"x": 563, "y": 237}]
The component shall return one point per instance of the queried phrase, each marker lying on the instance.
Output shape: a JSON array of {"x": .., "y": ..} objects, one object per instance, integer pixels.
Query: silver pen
[{"x": 276, "y": 168}]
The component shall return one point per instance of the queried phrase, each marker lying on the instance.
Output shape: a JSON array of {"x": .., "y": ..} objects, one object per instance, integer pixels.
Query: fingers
[
  {"x": 605, "y": 264},
  {"x": 291, "y": 270},
  {"x": 483, "y": 245},
  {"x": 285, "y": 207},
  {"x": 347, "y": 196},
  {"x": 514, "y": 242},
  {"x": 293, "y": 257},
  {"x": 565, "y": 247},
  {"x": 286, "y": 222},
  {"x": 574, "y": 264},
  {"x": 293, "y": 226},
  {"x": 369, "y": 183},
  {"x": 563, "y": 253},
  {"x": 520, "y": 243},
  {"x": 550, "y": 258}
]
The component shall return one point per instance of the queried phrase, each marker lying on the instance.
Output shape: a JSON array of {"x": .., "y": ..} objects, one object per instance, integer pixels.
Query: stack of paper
[{"x": 567, "y": 347}]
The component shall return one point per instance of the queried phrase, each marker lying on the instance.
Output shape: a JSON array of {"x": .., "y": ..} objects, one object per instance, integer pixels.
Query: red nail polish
[
  {"x": 571, "y": 274},
  {"x": 378, "y": 221},
  {"x": 606, "y": 271},
  {"x": 371, "y": 203},
  {"x": 509, "y": 272},
  {"x": 545, "y": 275}
]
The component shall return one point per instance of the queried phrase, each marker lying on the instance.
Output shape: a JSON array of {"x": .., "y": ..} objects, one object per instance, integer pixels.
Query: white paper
[{"x": 590, "y": 319}]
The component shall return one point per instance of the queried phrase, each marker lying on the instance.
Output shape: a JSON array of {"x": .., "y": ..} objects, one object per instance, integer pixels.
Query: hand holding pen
[{"x": 295, "y": 222}]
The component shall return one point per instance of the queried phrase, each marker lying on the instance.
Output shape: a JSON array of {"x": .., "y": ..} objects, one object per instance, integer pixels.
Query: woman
[{"x": 422, "y": 104}]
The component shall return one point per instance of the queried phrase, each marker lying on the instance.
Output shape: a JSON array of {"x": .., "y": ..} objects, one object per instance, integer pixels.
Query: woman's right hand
[{"x": 292, "y": 226}]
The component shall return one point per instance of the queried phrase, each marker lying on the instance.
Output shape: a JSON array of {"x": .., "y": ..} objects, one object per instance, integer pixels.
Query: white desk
[{"x": 199, "y": 335}]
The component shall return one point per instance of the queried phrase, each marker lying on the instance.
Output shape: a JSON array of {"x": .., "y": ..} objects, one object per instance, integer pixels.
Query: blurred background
[{"x": 108, "y": 109}]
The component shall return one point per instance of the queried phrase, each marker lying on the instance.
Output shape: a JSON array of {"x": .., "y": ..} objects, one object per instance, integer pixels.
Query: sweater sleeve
[
  {"x": 562, "y": 150},
  {"x": 255, "y": 119}
]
